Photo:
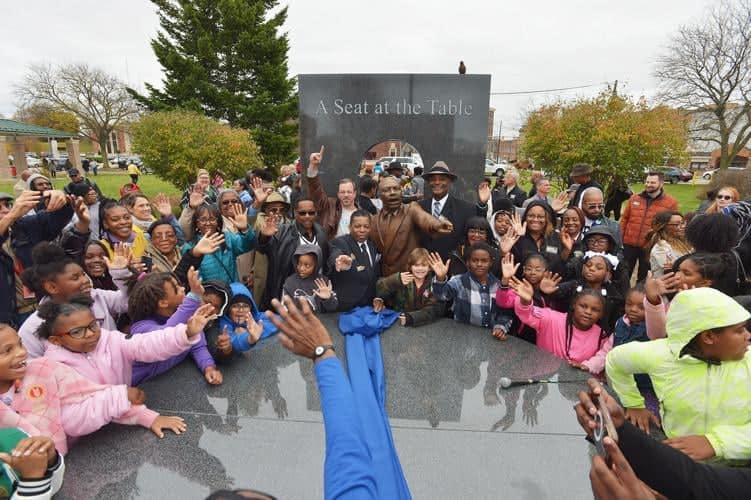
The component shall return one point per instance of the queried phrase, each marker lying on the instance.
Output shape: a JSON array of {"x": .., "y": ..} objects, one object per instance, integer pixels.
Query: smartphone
[
  {"x": 604, "y": 427},
  {"x": 148, "y": 261}
]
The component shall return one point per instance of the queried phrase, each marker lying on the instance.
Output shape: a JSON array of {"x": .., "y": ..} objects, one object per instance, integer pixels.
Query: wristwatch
[{"x": 321, "y": 350}]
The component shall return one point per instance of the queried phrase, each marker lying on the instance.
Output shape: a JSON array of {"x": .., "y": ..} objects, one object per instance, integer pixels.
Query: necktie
[
  {"x": 364, "y": 249},
  {"x": 437, "y": 209}
]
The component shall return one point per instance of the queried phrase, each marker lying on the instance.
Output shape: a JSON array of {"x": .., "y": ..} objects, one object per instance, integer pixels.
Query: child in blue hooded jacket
[{"x": 242, "y": 320}]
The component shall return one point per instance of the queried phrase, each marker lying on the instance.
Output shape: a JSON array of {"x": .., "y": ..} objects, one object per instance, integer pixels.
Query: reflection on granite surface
[{"x": 262, "y": 427}]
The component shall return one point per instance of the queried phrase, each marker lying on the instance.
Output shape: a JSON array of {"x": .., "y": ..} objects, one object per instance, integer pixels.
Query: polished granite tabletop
[{"x": 457, "y": 433}]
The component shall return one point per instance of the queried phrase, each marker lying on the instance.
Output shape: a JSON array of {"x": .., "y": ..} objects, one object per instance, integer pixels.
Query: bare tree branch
[
  {"x": 706, "y": 70},
  {"x": 98, "y": 100}
]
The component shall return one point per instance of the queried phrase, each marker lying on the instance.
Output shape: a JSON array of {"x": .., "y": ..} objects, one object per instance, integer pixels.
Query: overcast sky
[{"x": 524, "y": 45}]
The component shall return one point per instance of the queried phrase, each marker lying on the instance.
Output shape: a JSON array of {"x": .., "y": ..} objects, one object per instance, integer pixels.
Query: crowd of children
[{"x": 112, "y": 310}]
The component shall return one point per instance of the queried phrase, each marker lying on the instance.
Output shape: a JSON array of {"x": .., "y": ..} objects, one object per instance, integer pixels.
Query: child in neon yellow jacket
[{"x": 701, "y": 374}]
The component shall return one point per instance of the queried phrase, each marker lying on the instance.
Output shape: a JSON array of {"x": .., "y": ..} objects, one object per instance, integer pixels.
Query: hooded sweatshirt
[
  {"x": 241, "y": 340},
  {"x": 111, "y": 362},
  {"x": 298, "y": 287},
  {"x": 697, "y": 397}
]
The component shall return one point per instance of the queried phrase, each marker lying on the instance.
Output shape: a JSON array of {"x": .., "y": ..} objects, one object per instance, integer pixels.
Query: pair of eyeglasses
[
  {"x": 274, "y": 211},
  {"x": 230, "y": 202},
  {"x": 595, "y": 205},
  {"x": 598, "y": 241},
  {"x": 477, "y": 232},
  {"x": 723, "y": 197},
  {"x": 80, "y": 332},
  {"x": 241, "y": 306},
  {"x": 306, "y": 212},
  {"x": 207, "y": 220},
  {"x": 6, "y": 203}
]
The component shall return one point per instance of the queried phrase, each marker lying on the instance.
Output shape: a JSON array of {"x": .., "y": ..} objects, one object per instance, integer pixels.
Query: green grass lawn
[{"x": 110, "y": 182}]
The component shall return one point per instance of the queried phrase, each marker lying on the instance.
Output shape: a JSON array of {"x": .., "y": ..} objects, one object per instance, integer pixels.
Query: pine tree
[{"x": 228, "y": 60}]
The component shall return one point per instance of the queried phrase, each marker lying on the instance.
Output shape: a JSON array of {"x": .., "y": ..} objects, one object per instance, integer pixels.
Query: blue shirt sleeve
[{"x": 347, "y": 470}]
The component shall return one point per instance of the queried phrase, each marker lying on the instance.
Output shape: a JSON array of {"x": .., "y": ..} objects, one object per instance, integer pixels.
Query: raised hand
[
  {"x": 136, "y": 396},
  {"x": 240, "y": 216},
  {"x": 315, "y": 161},
  {"x": 260, "y": 193},
  {"x": 378, "y": 304},
  {"x": 255, "y": 328},
  {"x": 163, "y": 205},
  {"x": 655, "y": 288},
  {"x": 122, "y": 256},
  {"x": 508, "y": 267},
  {"x": 483, "y": 193},
  {"x": 440, "y": 268},
  {"x": 549, "y": 282},
  {"x": 560, "y": 202},
  {"x": 406, "y": 278},
  {"x": 270, "y": 227},
  {"x": 57, "y": 199},
  {"x": 508, "y": 240},
  {"x": 523, "y": 289},
  {"x": 323, "y": 290},
  {"x": 343, "y": 263},
  {"x": 519, "y": 227},
  {"x": 198, "y": 321},
  {"x": 300, "y": 330},
  {"x": 194, "y": 282},
  {"x": 213, "y": 376},
  {"x": 197, "y": 197},
  {"x": 162, "y": 423},
  {"x": 25, "y": 202},
  {"x": 567, "y": 241},
  {"x": 208, "y": 244}
]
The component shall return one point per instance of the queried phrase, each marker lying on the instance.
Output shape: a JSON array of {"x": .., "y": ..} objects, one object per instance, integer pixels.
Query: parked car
[
  {"x": 493, "y": 168},
  {"x": 674, "y": 175},
  {"x": 707, "y": 176}
]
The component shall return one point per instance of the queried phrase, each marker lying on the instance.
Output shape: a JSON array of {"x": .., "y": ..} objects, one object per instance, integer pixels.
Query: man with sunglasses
[
  {"x": 593, "y": 206},
  {"x": 278, "y": 242},
  {"x": 637, "y": 221}
]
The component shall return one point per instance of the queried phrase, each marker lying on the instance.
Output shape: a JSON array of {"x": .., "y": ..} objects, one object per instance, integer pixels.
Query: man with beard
[
  {"x": 637, "y": 220},
  {"x": 398, "y": 227}
]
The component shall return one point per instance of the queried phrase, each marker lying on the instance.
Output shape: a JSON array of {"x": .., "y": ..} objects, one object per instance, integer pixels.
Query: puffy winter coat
[{"x": 637, "y": 218}]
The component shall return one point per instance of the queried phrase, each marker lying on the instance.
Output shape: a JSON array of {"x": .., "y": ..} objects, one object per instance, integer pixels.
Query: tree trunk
[{"x": 103, "y": 137}]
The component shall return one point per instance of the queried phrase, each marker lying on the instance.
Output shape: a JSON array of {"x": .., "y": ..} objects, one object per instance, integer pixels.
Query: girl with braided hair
[
  {"x": 57, "y": 277},
  {"x": 574, "y": 336},
  {"x": 158, "y": 301}
]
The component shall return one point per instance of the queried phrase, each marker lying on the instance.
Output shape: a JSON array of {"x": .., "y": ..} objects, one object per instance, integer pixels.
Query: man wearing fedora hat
[
  {"x": 442, "y": 204},
  {"x": 396, "y": 169},
  {"x": 581, "y": 174}
]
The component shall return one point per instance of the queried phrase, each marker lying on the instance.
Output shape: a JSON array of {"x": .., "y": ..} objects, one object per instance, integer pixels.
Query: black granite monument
[{"x": 445, "y": 117}]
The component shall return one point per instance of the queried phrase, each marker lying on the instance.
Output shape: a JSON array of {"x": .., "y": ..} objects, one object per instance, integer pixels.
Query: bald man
[
  {"x": 397, "y": 228},
  {"x": 592, "y": 204}
]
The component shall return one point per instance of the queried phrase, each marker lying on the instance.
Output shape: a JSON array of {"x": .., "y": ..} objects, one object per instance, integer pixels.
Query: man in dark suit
[
  {"x": 354, "y": 264},
  {"x": 441, "y": 204}
]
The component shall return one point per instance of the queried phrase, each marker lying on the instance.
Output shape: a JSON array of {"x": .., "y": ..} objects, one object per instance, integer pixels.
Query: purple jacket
[{"x": 200, "y": 353}]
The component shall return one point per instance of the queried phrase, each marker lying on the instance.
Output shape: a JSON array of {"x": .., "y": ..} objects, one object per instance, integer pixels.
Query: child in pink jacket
[
  {"x": 43, "y": 397},
  {"x": 107, "y": 357},
  {"x": 574, "y": 336}
]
